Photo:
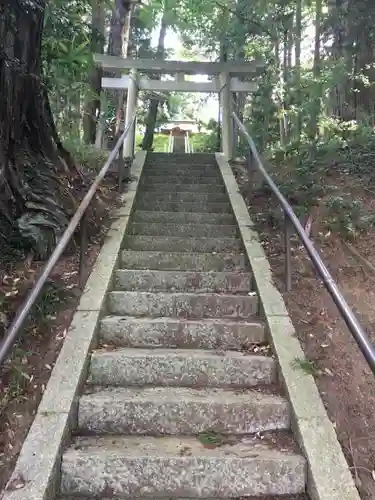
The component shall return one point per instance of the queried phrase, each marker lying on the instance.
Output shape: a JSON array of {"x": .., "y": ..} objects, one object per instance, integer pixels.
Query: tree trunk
[
  {"x": 148, "y": 138},
  {"x": 316, "y": 72},
  {"x": 298, "y": 33},
  {"x": 118, "y": 46},
  {"x": 34, "y": 167},
  {"x": 92, "y": 106}
]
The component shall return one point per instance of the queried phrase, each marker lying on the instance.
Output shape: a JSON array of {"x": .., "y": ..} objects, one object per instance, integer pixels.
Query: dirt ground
[
  {"x": 24, "y": 377},
  {"x": 346, "y": 384}
]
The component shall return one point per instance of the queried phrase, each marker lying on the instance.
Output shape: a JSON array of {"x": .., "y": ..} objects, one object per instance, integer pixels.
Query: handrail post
[
  {"x": 288, "y": 253},
  {"x": 82, "y": 249}
]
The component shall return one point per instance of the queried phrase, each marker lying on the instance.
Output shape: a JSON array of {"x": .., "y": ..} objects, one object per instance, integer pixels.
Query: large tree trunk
[
  {"x": 92, "y": 106},
  {"x": 118, "y": 46},
  {"x": 34, "y": 167},
  {"x": 148, "y": 138}
]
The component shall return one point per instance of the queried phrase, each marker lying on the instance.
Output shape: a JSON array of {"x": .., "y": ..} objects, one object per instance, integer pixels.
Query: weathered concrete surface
[
  {"x": 178, "y": 177},
  {"x": 182, "y": 281},
  {"x": 180, "y": 411},
  {"x": 284, "y": 497},
  {"x": 182, "y": 197},
  {"x": 182, "y": 169},
  {"x": 180, "y": 244},
  {"x": 153, "y": 467},
  {"x": 183, "y": 218},
  {"x": 183, "y": 230},
  {"x": 38, "y": 466},
  {"x": 184, "y": 261},
  {"x": 171, "y": 332},
  {"x": 183, "y": 305},
  {"x": 185, "y": 185},
  {"x": 178, "y": 206},
  {"x": 181, "y": 367},
  {"x": 207, "y": 175},
  {"x": 328, "y": 477}
]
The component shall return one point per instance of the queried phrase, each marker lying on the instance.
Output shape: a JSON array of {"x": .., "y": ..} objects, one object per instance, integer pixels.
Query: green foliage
[
  {"x": 67, "y": 59},
  {"x": 86, "y": 155},
  {"x": 204, "y": 143},
  {"x": 160, "y": 144}
]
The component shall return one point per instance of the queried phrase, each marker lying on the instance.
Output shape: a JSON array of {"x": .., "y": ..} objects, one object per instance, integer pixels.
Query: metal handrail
[
  {"x": 360, "y": 336},
  {"x": 14, "y": 329}
]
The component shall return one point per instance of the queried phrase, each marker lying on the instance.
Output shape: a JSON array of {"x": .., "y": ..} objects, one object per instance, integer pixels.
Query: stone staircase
[{"x": 182, "y": 398}]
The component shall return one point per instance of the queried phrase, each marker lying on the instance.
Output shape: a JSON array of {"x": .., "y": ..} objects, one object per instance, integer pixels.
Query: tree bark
[
  {"x": 316, "y": 72},
  {"x": 298, "y": 34},
  {"x": 92, "y": 105},
  {"x": 118, "y": 46},
  {"x": 148, "y": 138},
  {"x": 35, "y": 169}
]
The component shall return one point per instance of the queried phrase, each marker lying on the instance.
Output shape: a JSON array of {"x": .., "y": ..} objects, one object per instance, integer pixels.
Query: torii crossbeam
[{"x": 224, "y": 81}]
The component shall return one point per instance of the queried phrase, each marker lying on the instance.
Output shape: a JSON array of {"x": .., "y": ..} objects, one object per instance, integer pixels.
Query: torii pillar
[
  {"x": 131, "y": 106},
  {"x": 226, "y": 115}
]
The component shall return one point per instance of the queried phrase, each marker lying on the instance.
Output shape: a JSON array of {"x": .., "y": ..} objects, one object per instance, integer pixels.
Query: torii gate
[{"x": 225, "y": 80}]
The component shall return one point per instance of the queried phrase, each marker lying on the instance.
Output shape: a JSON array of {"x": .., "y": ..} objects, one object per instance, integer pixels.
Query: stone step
[
  {"x": 170, "y": 178},
  {"x": 174, "y": 467},
  {"x": 183, "y": 261},
  {"x": 182, "y": 244},
  {"x": 80, "y": 497},
  {"x": 175, "y": 187},
  {"x": 183, "y": 230},
  {"x": 183, "y": 217},
  {"x": 177, "y": 333},
  {"x": 180, "y": 367},
  {"x": 182, "y": 196},
  {"x": 180, "y": 281},
  {"x": 180, "y": 411},
  {"x": 193, "y": 160},
  {"x": 177, "y": 206},
  {"x": 183, "y": 305}
]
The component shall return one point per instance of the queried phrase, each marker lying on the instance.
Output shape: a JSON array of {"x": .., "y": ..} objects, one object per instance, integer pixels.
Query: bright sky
[{"x": 210, "y": 109}]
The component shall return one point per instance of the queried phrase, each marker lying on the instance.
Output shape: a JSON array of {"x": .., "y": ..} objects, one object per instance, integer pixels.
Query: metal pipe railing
[
  {"x": 12, "y": 333},
  {"x": 291, "y": 219}
]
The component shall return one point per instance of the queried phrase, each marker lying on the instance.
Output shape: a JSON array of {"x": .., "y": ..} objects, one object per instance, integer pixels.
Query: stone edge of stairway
[
  {"x": 328, "y": 476},
  {"x": 36, "y": 474}
]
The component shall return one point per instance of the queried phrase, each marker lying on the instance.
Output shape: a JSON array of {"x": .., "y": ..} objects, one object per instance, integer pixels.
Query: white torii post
[
  {"x": 226, "y": 116},
  {"x": 131, "y": 107}
]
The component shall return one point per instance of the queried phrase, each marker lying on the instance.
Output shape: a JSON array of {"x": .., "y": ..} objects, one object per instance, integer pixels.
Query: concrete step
[
  {"x": 183, "y": 305},
  {"x": 177, "y": 206},
  {"x": 170, "y": 178},
  {"x": 174, "y": 467},
  {"x": 176, "y": 333},
  {"x": 182, "y": 197},
  {"x": 183, "y": 230},
  {"x": 80, "y": 497},
  {"x": 179, "y": 367},
  {"x": 175, "y": 187},
  {"x": 183, "y": 261},
  {"x": 183, "y": 217},
  {"x": 182, "y": 244},
  {"x": 180, "y": 411},
  {"x": 179, "y": 281}
]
